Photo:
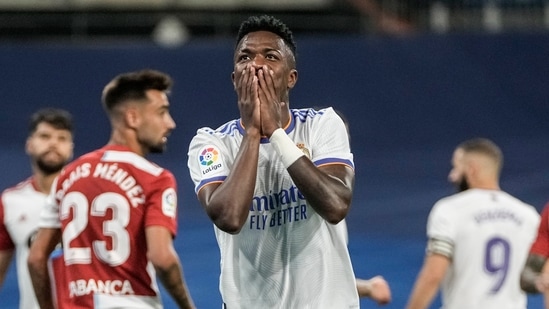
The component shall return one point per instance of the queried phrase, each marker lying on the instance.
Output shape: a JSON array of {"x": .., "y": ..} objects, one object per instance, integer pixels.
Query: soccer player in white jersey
[
  {"x": 275, "y": 183},
  {"x": 49, "y": 147},
  {"x": 478, "y": 239},
  {"x": 115, "y": 211}
]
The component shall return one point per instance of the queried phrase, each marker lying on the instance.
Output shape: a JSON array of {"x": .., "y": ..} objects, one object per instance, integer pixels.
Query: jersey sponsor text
[
  {"x": 82, "y": 287},
  {"x": 286, "y": 206},
  {"x": 279, "y": 217}
]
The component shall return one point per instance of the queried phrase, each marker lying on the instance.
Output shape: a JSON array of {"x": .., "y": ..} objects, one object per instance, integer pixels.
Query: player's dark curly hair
[
  {"x": 57, "y": 118},
  {"x": 133, "y": 86},
  {"x": 267, "y": 23}
]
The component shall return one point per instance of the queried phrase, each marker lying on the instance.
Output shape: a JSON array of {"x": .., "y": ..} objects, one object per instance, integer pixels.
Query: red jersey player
[{"x": 115, "y": 211}]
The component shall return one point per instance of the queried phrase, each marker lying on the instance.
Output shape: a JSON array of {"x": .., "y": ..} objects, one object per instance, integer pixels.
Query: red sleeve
[
  {"x": 6, "y": 243},
  {"x": 541, "y": 244},
  {"x": 162, "y": 203}
]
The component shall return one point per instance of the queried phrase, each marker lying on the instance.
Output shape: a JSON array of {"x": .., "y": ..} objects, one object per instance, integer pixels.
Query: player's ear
[
  {"x": 472, "y": 167},
  {"x": 131, "y": 117},
  {"x": 292, "y": 78},
  {"x": 28, "y": 145}
]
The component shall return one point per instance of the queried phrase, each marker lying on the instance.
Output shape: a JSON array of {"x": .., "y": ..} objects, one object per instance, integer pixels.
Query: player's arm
[
  {"x": 161, "y": 253},
  {"x": 375, "y": 288},
  {"x": 6, "y": 257},
  {"x": 328, "y": 189},
  {"x": 45, "y": 242},
  {"x": 228, "y": 203},
  {"x": 537, "y": 257},
  {"x": 431, "y": 274},
  {"x": 531, "y": 280}
]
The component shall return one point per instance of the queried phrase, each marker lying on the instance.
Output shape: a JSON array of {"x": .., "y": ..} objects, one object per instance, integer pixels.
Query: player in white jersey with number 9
[
  {"x": 276, "y": 183},
  {"x": 115, "y": 211},
  {"x": 478, "y": 239}
]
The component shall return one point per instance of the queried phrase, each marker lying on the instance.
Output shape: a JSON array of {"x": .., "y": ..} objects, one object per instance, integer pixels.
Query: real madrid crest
[{"x": 304, "y": 149}]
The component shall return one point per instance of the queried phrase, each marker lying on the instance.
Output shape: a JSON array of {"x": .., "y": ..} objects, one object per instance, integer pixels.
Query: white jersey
[
  {"x": 20, "y": 212},
  {"x": 286, "y": 255},
  {"x": 491, "y": 232}
]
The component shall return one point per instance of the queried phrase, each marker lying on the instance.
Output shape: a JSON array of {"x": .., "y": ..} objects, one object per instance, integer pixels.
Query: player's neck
[
  {"x": 486, "y": 185},
  {"x": 124, "y": 138},
  {"x": 43, "y": 182}
]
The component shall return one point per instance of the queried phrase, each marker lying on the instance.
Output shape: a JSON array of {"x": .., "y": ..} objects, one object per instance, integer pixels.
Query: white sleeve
[
  {"x": 207, "y": 159},
  {"x": 49, "y": 217},
  {"x": 331, "y": 140},
  {"x": 440, "y": 224}
]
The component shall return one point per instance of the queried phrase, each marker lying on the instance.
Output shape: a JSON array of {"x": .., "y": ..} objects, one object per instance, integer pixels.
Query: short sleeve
[
  {"x": 440, "y": 224},
  {"x": 331, "y": 140},
  {"x": 207, "y": 159},
  {"x": 162, "y": 203}
]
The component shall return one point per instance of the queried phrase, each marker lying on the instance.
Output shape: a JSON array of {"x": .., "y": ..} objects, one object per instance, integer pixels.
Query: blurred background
[{"x": 414, "y": 78}]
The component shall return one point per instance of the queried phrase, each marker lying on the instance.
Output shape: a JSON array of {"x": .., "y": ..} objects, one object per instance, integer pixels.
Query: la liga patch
[
  {"x": 210, "y": 160},
  {"x": 169, "y": 202}
]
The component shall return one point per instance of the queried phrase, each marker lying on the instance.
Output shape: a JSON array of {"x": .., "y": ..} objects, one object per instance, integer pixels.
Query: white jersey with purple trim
[
  {"x": 491, "y": 233},
  {"x": 20, "y": 208},
  {"x": 286, "y": 255}
]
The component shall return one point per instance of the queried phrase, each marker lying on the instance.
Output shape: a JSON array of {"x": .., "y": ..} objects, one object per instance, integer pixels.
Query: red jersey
[
  {"x": 541, "y": 244},
  {"x": 103, "y": 201}
]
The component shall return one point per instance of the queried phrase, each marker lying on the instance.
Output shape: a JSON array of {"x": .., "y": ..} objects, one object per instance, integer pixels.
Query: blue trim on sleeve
[
  {"x": 334, "y": 160},
  {"x": 207, "y": 181}
]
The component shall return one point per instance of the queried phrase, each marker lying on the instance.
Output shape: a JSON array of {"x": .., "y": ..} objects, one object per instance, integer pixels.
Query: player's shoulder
[
  {"x": 309, "y": 113},
  {"x": 228, "y": 129},
  {"x": 472, "y": 198},
  {"x": 134, "y": 161},
  {"x": 91, "y": 156},
  {"x": 520, "y": 204},
  {"x": 453, "y": 205},
  {"x": 23, "y": 185},
  {"x": 454, "y": 198},
  {"x": 119, "y": 155}
]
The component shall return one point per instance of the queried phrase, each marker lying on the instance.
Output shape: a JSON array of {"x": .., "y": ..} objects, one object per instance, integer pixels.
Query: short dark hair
[
  {"x": 56, "y": 117},
  {"x": 270, "y": 24},
  {"x": 483, "y": 146},
  {"x": 133, "y": 86}
]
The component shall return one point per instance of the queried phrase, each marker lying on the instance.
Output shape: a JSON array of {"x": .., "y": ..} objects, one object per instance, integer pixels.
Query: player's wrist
[{"x": 285, "y": 147}]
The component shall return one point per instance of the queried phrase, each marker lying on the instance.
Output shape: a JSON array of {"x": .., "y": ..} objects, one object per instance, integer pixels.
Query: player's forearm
[
  {"x": 363, "y": 287},
  {"x": 528, "y": 281},
  {"x": 229, "y": 211},
  {"x": 172, "y": 279},
  {"x": 38, "y": 271},
  {"x": 424, "y": 290},
  {"x": 530, "y": 273},
  {"x": 421, "y": 298},
  {"x": 5, "y": 261},
  {"x": 329, "y": 196}
]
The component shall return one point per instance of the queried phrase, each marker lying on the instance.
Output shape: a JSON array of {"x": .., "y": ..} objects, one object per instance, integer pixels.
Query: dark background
[{"x": 409, "y": 101}]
